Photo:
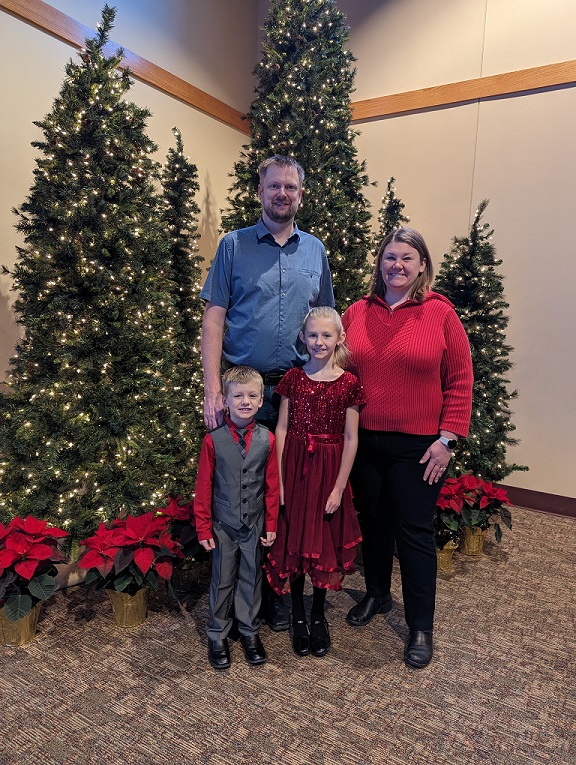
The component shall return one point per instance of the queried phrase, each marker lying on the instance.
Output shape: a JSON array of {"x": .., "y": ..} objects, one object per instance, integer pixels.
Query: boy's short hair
[{"x": 241, "y": 375}]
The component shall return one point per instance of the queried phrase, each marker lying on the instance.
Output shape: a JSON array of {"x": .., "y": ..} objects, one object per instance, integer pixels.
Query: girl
[{"x": 316, "y": 439}]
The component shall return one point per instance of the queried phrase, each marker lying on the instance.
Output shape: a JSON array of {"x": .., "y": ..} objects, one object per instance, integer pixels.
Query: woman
[{"x": 411, "y": 354}]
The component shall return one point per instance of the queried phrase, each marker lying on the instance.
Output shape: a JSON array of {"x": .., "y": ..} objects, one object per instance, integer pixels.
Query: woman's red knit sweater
[{"x": 414, "y": 363}]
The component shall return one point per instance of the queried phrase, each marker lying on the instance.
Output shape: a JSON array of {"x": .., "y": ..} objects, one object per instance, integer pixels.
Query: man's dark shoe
[
  {"x": 254, "y": 652},
  {"x": 300, "y": 638},
  {"x": 363, "y": 613},
  {"x": 418, "y": 652},
  {"x": 276, "y": 613},
  {"x": 219, "y": 654},
  {"x": 319, "y": 637}
]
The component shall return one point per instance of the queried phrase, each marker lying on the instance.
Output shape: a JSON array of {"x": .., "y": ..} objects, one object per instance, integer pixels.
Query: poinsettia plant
[
  {"x": 469, "y": 501},
  {"x": 130, "y": 553},
  {"x": 28, "y": 554},
  {"x": 180, "y": 514}
]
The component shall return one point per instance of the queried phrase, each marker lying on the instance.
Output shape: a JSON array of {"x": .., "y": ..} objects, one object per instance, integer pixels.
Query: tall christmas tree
[
  {"x": 180, "y": 215},
  {"x": 468, "y": 278},
  {"x": 92, "y": 423},
  {"x": 302, "y": 109},
  {"x": 390, "y": 215}
]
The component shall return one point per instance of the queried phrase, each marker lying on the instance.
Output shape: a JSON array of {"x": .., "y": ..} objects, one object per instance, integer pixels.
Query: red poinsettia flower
[
  {"x": 101, "y": 550},
  {"x": 144, "y": 532},
  {"x": 23, "y": 555},
  {"x": 37, "y": 530},
  {"x": 451, "y": 496},
  {"x": 142, "y": 529},
  {"x": 176, "y": 511},
  {"x": 468, "y": 482},
  {"x": 492, "y": 494}
]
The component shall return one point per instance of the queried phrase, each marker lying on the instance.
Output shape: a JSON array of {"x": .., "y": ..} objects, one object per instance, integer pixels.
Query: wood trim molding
[
  {"x": 549, "y": 76},
  {"x": 539, "y": 500},
  {"x": 48, "y": 19}
]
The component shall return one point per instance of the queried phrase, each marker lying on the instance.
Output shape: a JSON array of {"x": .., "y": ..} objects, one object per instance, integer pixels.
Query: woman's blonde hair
[
  {"x": 342, "y": 353},
  {"x": 414, "y": 239}
]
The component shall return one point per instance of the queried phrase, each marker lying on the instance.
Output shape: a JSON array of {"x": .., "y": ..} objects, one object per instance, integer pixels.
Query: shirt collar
[
  {"x": 248, "y": 428},
  {"x": 262, "y": 232}
]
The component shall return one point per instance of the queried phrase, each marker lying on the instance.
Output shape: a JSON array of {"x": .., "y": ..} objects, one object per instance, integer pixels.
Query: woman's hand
[
  {"x": 437, "y": 456},
  {"x": 333, "y": 502}
]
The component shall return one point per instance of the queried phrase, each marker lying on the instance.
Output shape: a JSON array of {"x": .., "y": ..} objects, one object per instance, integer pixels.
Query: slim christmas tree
[
  {"x": 92, "y": 424},
  {"x": 302, "y": 109},
  {"x": 390, "y": 215},
  {"x": 180, "y": 216},
  {"x": 468, "y": 278}
]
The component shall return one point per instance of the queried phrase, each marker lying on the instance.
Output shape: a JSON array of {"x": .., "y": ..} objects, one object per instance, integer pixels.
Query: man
[{"x": 261, "y": 284}]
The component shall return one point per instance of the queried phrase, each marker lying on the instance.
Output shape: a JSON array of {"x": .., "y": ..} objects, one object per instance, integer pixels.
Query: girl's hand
[
  {"x": 208, "y": 544},
  {"x": 268, "y": 540},
  {"x": 438, "y": 457},
  {"x": 334, "y": 501}
]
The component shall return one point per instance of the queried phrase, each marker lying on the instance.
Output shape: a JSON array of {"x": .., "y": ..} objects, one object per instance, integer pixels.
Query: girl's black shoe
[
  {"x": 300, "y": 638},
  {"x": 319, "y": 637}
]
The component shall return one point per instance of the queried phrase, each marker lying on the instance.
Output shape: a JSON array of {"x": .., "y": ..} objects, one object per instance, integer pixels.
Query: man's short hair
[
  {"x": 280, "y": 161},
  {"x": 241, "y": 375}
]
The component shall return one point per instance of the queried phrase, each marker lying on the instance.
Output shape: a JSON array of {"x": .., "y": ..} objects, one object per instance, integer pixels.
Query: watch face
[{"x": 452, "y": 443}]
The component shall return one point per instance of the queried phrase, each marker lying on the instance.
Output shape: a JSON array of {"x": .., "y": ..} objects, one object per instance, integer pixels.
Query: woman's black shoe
[
  {"x": 319, "y": 637},
  {"x": 418, "y": 652},
  {"x": 300, "y": 638},
  {"x": 362, "y": 613}
]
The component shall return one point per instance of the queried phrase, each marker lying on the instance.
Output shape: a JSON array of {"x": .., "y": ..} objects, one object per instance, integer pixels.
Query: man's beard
[{"x": 282, "y": 215}]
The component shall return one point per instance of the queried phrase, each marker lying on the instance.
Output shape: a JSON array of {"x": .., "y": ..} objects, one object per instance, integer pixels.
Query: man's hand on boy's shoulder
[
  {"x": 268, "y": 540},
  {"x": 208, "y": 544}
]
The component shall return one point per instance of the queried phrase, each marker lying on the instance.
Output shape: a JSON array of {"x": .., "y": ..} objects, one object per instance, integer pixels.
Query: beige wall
[{"x": 517, "y": 151}]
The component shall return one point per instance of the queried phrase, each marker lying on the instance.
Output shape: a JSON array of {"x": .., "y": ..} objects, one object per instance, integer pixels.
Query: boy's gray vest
[{"x": 238, "y": 486}]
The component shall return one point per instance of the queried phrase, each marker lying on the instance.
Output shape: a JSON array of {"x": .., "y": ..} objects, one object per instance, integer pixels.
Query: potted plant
[
  {"x": 474, "y": 504},
  {"x": 127, "y": 557},
  {"x": 447, "y": 532},
  {"x": 183, "y": 529},
  {"x": 28, "y": 554}
]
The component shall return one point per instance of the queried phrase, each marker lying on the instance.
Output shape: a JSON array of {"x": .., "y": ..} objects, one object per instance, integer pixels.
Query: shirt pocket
[{"x": 310, "y": 283}]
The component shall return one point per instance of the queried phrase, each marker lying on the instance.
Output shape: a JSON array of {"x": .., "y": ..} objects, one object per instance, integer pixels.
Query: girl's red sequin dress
[{"x": 308, "y": 540}]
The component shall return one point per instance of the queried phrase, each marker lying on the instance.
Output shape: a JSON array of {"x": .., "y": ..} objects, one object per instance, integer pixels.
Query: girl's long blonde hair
[{"x": 342, "y": 353}]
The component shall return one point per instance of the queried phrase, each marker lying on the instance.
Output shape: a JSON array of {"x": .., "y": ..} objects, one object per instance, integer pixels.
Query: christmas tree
[
  {"x": 92, "y": 424},
  {"x": 468, "y": 278},
  {"x": 302, "y": 109},
  {"x": 180, "y": 215},
  {"x": 390, "y": 215}
]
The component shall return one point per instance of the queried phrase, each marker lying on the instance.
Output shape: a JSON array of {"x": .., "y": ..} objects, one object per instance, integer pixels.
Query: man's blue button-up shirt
[{"x": 267, "y": 291}]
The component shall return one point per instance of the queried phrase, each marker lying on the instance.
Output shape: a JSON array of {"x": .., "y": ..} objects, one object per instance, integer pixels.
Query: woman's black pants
[{"x": 395, "y": 504}]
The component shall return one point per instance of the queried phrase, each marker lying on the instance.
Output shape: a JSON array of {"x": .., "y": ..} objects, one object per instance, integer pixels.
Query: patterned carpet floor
[{"x": 501, "y": 689}]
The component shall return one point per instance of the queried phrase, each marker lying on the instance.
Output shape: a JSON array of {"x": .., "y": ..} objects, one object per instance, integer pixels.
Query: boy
[{"x": 236, "y": 509}]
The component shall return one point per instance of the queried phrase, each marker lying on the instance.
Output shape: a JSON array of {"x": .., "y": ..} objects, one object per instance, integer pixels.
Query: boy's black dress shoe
[
  {"x": 300, "y": 638},
  {"x": 363, "y": 613},
  {"x": 219, "y": 653},
  {"x": 254, "y": 652},
  {"x": 418, "y": 652},
  {"x": 319, "y": 637}
]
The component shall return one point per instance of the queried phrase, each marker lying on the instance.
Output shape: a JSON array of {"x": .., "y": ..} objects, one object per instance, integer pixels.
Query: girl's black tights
[{"x": 318, "y": 600}]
